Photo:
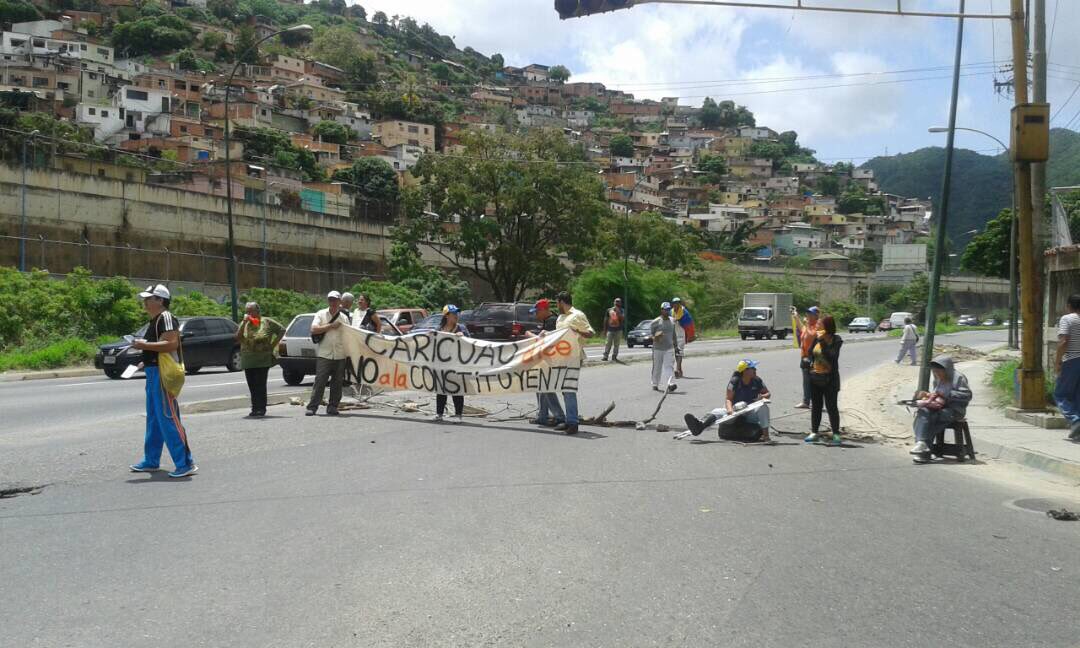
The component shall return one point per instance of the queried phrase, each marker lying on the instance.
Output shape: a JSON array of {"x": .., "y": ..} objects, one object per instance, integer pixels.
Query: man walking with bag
[
  {"x": 613, "y": 328},
  {"x": 163, "y": 426},
  {"x": 908, "y": 342}
]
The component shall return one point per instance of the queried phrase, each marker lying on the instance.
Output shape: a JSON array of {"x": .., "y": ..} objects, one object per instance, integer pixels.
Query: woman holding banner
[{"x": 450, "y": 324}]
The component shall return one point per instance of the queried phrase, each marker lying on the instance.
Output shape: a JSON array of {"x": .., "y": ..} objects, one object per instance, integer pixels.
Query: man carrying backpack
[{"x": 613, "y": 328}]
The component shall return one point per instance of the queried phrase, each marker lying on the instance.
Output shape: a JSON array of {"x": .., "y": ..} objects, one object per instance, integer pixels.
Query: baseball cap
[
  {"x": 541, "y": 304},
  {"x": 665, "y": 306},
  {"x": 156, "y": 291},
  {"x": 450, "y": 308},
  {"x": 744, "y": 365},
  {"x": 813, "y": 310},
  {"x": 333, "y": 294},
  {"x": 676, "y": 300},
  {"x": 347, "y": 296}
]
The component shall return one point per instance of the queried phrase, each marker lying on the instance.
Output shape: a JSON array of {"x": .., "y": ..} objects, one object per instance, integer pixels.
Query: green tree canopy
[
  {"x": 372, "y": 178},
  {"x": 13, "y": 11},
  {"x": 714, "y": 168},
  {"x": 152, "y": 35},
  {"x": 509, "y": 211},
  {"x": 724, "y": 114},
  {"x": 559, "y": 73},
  {"x": 333, "y": 132},
  {"x": 622, "y": 146},
  {"x": 988, "y": 253}
]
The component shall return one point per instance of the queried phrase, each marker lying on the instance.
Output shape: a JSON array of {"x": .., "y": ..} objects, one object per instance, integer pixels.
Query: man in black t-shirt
[
  {"x": 744, "y": 388},
  {"x": 163, "y": 426}
]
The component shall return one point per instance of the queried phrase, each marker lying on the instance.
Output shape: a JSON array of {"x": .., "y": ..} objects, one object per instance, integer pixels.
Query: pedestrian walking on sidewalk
[
  {"x": 258, "y": 337},
  {"x": 613, "y": 330},
  {"x": 825, "y": 380},
  {"x": 937, "y": 409},
  {"x": 908, "y": 342},
  {"x": 1067, "y": 364},
  {"x": 571, "y": 318},
  {"x": 450, "y": 324},
  {"x": 663, "y": 349},
  {"x": 163, "y": 425},
  {"x": 807, "y": 333},
  {"x": 330, "y": 365},
  {"x": 549, "y": 411}
]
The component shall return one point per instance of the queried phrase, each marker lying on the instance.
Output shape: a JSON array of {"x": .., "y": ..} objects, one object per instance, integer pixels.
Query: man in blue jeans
[
  {"x": 571, "y": 318},
  {"x": 163, "y": 426},
  {"x": 1067, "y": 362},
  {"x": 549, "y": 411}
]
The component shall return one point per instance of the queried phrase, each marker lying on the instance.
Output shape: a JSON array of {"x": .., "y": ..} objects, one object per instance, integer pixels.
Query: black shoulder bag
[{"x": 318, "y": 337}]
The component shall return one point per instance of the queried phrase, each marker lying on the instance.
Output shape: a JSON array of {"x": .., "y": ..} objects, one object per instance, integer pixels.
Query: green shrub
[
  {"x": 196, "y": 303},
  {"x": 386, "y": 294},
  {"x": 282, "y": 305},
  {"x": 595, "y": 289},
  {"x": 58, "y": 354},
  {"x": 842, "y": 311},
  {"x": 1003, "y": 382}
]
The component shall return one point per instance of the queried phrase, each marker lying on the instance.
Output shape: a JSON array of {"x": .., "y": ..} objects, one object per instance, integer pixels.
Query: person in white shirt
[
  {"x": 1067, "y": 364},
  {"x": 571, "y": 318},
  {"x": 908, "y": 340},
  {"x": 330, "y": 366}
]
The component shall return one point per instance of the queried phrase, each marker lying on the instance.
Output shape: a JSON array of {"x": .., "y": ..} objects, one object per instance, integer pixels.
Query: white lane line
[{"x": 189, "y": 386}]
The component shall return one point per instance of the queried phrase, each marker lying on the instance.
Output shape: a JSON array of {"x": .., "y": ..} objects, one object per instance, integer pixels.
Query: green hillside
[{"x": 981, "y": 185}]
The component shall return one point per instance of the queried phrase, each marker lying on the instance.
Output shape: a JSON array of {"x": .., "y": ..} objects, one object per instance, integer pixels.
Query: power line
[{"x": 1053, "y": 27}]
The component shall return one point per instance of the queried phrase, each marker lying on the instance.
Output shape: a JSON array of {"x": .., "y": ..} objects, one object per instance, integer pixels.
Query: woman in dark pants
[
  {"x": 825, "y": 380},
  {"x": 450, "y": 324},
  {"x": 258, "y": 337}
]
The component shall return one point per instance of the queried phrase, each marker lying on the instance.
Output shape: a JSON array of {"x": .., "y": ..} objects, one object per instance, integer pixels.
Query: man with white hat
[
  {"x": 330, "y": 366},
  {"x": 163, "y": 426},
  {"x": 662, "y": 330}
]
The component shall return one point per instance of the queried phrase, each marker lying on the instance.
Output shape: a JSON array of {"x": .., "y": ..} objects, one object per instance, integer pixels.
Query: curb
[
  {"x": 47, "y": 375},
  {"x": 1028, "y": 458},
  {"x": 237, "y": 402}
]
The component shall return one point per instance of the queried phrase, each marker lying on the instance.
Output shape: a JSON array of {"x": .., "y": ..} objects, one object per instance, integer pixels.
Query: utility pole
[
  {"x": 1038, "y": 169},
  {"x": 1032, "y": 386},
  {"x": 943, "y": 215}
]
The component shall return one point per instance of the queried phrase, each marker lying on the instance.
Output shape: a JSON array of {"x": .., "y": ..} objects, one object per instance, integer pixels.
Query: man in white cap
[
  {"x": 663, "y": 350},
  {"x": 163, "y": 426},
  {"x": 326, "y": 331}
]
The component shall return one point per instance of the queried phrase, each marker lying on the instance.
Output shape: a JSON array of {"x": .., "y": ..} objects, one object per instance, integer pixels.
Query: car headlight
[{"x": 131, "y": 351}]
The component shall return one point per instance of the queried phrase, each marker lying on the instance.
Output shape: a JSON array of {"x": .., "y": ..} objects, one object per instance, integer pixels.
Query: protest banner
[{"x": 444, "y": 363}]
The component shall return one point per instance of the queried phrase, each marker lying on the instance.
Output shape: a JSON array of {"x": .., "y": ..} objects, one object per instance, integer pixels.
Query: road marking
[{"x": 112, "y": 382}]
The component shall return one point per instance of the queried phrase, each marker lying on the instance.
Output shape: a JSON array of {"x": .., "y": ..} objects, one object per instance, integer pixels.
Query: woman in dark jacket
[{"x": 825, "y": 380}]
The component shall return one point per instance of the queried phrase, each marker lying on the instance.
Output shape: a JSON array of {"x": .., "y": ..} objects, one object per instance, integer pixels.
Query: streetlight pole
[
  {"x": 1013, "y": 342},
  {"x": 626, "y": 275},
  {"x": 230, "y": 247},
  {"x": 22, "y": 219}
]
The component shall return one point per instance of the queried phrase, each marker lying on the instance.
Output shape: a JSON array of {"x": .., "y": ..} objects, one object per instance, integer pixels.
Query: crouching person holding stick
[{"x": 744, "y": 390}]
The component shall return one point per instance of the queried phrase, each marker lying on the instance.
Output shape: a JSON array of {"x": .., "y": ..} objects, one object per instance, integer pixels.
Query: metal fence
[{"x": 196, "y": 270}]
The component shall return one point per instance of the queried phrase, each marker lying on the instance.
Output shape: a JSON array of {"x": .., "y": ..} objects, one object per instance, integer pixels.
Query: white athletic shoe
[
  {"x": 919, "y": 448},
  {"x": 438, "y": 418},
  {"x": 458, "y": 419}
]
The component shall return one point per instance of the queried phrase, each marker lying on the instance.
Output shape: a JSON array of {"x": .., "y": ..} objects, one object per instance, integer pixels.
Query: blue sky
[{"x": 833, "y": 78}]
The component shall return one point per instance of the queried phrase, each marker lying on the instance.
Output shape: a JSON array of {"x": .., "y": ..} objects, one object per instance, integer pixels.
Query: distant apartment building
[{"x": 395, "y": 132}]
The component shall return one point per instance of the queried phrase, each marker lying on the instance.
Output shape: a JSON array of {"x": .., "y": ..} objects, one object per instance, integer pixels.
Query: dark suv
[
  {"x": 207, "y": 342},
  {"x": 501, "y": 321}
]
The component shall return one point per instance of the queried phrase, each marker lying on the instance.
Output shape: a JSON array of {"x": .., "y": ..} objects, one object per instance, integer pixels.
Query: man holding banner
[
  {"x": 549, "y": 412},
  {"x": 574, "y": 320}
]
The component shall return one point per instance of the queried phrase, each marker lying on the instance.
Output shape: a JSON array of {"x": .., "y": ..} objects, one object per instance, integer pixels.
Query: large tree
[
  {"x": 622, "y": 146},
  {"x": 988, "y": 253},
  {"x": 513, "y": 212},
  {"x": 372, "y": 178},
  {"x": 559, "y": 74}
]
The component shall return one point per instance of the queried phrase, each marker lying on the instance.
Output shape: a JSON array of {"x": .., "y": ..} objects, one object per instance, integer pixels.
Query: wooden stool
[{"x": 961, "y": 448}]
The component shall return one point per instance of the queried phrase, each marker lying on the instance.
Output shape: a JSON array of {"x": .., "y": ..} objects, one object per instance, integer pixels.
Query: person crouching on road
[
  {"x": 258, "y": 337},
  {"x": 825, "y": 380},
  {"x": 744, "y": 388},
  {"x": 450, "y": 324},
  {"x": 163, "y": 426},
  {"x": 330, "y": 366},
  {"x": 663, "y": 349},
  {"x": 549, "y": 410},
  {"x": 571, "y": 318},
  {"x": 941, "y": 407}
]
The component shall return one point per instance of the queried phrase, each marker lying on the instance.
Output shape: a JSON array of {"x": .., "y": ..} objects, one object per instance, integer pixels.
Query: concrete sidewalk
[
  {"x": 65, "y": 372},
  {"x": 994, "y": 434}
]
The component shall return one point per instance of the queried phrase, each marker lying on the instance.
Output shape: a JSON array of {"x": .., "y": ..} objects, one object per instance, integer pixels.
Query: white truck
[{"x": 765, "y": 315}]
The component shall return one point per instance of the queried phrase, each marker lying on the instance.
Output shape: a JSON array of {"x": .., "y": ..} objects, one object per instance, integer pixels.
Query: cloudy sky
[{"x": 853, "y": 86}]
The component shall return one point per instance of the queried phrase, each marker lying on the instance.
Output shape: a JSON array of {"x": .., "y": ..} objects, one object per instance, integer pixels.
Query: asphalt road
[
  {"x": 98, "y": 399},
  {"x": 380, "y": 529}
]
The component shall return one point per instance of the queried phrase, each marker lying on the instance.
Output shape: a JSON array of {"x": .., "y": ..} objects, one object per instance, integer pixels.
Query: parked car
[
  {"x": 989, "y": 322},
  {"x": 640, "y": 334},
  {"x": 296, "y": 351},
  {"x": 967, "y": 320},
  {"x": 862, "y": 325},
  {"x": 899, "y": 318},
  {"x": 207, "y": 342},
  {"x": 885, "y": 325},
  {"x": 501, "y": 321},
  {"x": 429, "y": 323},
  {"x": 403, "y": 318}
]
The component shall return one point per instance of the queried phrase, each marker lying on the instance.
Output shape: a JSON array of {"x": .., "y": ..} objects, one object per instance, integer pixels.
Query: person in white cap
[
  {"x": 330, "y": 366},
  {"x": 163, "y": 426},
  {"x": 662, "y": 330}
]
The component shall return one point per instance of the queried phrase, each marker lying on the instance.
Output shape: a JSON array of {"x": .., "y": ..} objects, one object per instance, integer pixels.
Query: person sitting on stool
[
  {"x": 939, "y": 408},
  {"x": 744, "y": 388}
]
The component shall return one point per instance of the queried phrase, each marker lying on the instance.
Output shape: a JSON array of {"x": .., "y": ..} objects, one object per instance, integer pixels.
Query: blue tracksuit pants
[{"x": 163, "y": 426}]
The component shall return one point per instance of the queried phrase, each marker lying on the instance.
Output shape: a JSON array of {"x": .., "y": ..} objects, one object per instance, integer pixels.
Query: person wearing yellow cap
[{"x": 744, "y": 389}]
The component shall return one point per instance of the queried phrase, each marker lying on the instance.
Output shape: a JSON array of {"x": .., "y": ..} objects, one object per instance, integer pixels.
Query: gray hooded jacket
[{"x": 958, "y": 398}]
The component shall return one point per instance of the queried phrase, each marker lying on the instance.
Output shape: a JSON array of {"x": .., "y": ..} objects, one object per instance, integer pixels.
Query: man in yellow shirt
[{"x": 571, "y": 318}]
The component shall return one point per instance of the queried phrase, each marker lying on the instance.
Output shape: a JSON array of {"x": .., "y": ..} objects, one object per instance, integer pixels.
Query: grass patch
[
  {"x": 702, "y": 334},
  {"x": 942, "y": 329},
  {"x": 1002, "y": 383},
  {"x": 63, "y": 353}
]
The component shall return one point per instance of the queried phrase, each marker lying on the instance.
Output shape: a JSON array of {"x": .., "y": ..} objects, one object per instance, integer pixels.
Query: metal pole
[
  {"x": 266, "y": 199},
  {"x": 1014, "y": 326},
  {"x": 626, "y": 275},
  {"x": 230, "y": 243},
  {"x": 1038, "y": 169},
  {"x": 943, "y": 215},
  {"x": 1032, "y": 386},
  {"x": 22, "y": 219}
]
